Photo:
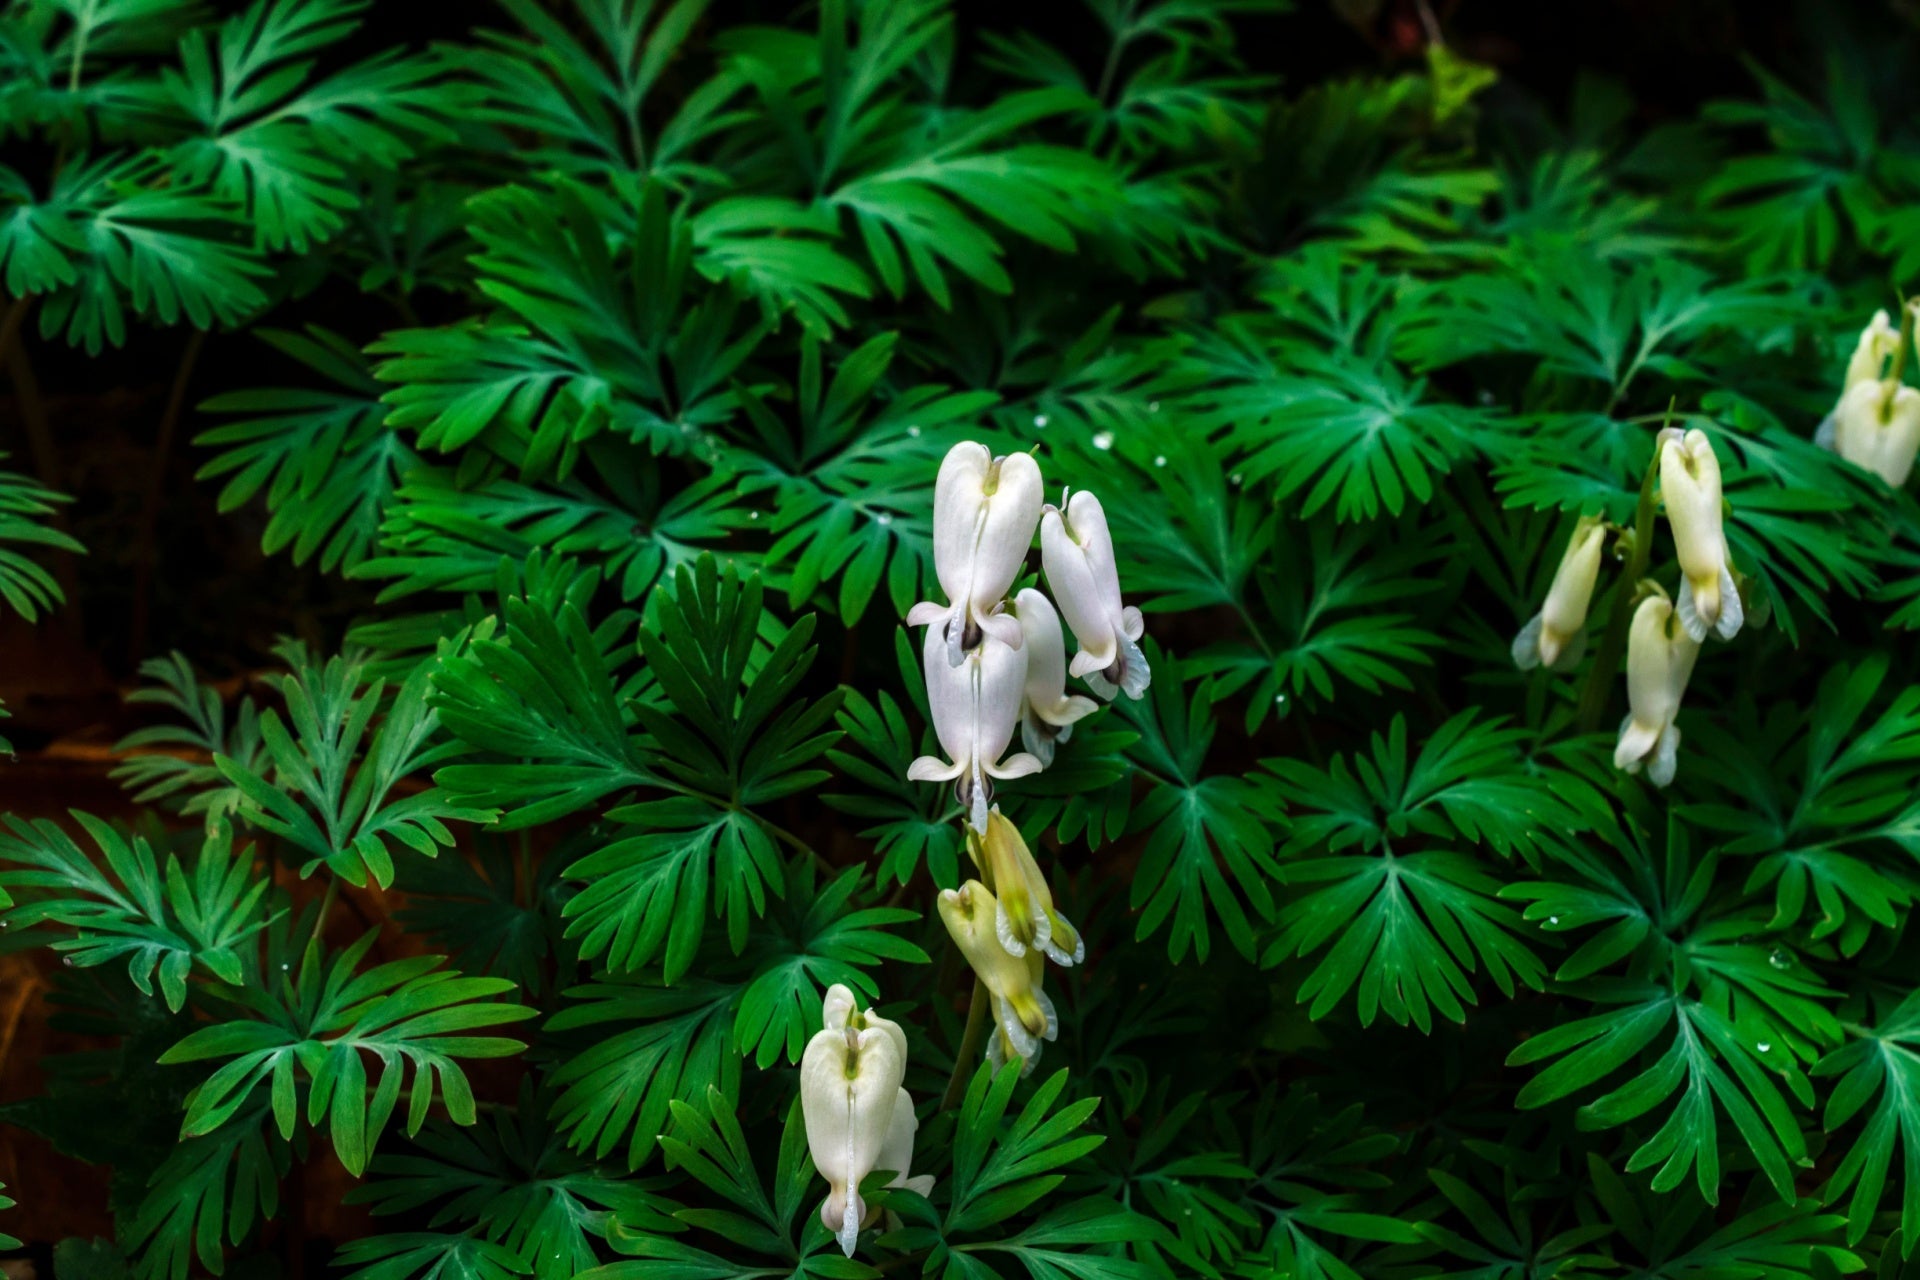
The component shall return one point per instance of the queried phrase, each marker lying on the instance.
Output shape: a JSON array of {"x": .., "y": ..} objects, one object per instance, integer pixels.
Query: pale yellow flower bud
[
  {"x": 1021, "y": 1011},
  {"x": 1660, "y": 658},
  {"x": 1556, "y": 636},
  {"x": 1690, "y": 487},
  {"x": 1024, "y": 916}
]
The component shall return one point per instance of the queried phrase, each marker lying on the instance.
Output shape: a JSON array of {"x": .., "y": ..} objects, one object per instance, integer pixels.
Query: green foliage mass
[{"x": 662, "y": 323}]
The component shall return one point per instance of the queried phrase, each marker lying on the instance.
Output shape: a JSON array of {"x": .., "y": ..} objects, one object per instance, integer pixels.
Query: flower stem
[
  {"x": 1613, "y": 645},
  {"x": 969, "y": 1046},
  {"x": 1891, "y": 387}
]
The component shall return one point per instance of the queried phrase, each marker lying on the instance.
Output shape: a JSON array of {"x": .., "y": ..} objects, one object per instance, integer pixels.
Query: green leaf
[{"x": 162, "y": 920}]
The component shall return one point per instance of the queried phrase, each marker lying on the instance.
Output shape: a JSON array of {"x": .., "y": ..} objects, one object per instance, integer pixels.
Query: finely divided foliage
[{"x": 520, "y": 896}]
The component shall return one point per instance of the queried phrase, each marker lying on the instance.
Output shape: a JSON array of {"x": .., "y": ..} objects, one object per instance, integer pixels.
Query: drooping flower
[
  {"x": 1660, "y": 657},
  {"x": 896, "y": 1153},
  {"x": 975, "y": 707},
  {"x": 984, "y": 512},
  {"x": 1048, "y": 713},
  {"x": 1022, "y": 1014},
  {"x": 1024, "y": 917},
  {"x": 1556, "y": 636},
  {"x": 1690, "y": 487},
  {"x": 1879, "y": 433},
  {"x": 1076, "y": 550},
  {"x": 849, "y": 1090}
]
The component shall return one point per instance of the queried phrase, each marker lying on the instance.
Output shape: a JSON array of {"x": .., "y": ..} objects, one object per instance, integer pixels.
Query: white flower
[
  {"x": 984, "y": 512},
  {"x": 1024, "y": 917},
  {"x": 1048, "y": 713},
  {"x": 896, "y": 1153},
  {"x": 1876, "y": 433},
  {"x": 1690, "y": 487},
  {"x": 1660, "y": 659},
  {"x": 1022, "y": 1014},
  {"x": 975, "y": 707},
  {"x": 1076, "y": 550},
  {"x": 849, "y": 1090},
  {"x": 1556, "y": 636}
]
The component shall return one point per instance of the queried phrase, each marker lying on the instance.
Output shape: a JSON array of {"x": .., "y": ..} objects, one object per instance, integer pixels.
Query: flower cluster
[
  {"x": 1664, "y": 635},
  {"x": 1876, "y": 423},
  {"x": 994, "y": 665},
  {"x": 1004, "y": 926},
  {"x": 858, "y": 1116}
]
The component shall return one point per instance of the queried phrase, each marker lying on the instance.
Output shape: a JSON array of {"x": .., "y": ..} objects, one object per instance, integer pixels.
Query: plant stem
[
  {"x": 1891, "y": 387},
  {"x": 146, "y": 542},
  {"x": 326, "y": 906},
  {"x": 1613, "y": 645},
  {"x": 969, "y": 1046}
]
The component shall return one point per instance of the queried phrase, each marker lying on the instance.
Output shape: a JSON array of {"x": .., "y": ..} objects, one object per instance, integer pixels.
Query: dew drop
[
  {"x": 1234, "y": 479},
  {"x": 1153, "y": 406},
  {"x": 1104, "y": 440},
  {"x": 753, "y": 515},
  {"x": 883, "y": 518},
  {"x": 3, "y": 924},
  {"x": 914, "y": 431},
  {"x": 1160, "y": 460},
  {"x": 1486, "y": 397},
  {"x": 1279, "y": 698},
  {"x": 67, "y": 961},
  {"x": 1040, "y": 420},
  {"x": 284, "y": 966},
  {"x": 1779, "y": 958},
  {"x": 1764, "y": 1047},
  {"x": 1553, "y": 919}
]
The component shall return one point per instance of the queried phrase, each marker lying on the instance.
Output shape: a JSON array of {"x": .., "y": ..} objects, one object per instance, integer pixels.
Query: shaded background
[{"x": 165, "y": 570}]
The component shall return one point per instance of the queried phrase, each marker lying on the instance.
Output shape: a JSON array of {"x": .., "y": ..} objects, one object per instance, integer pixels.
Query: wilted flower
[
  {"x": 984, "y": 512},
  {"x": 1022, "y": 1014},
  {"x": 1048, "y": 713},
  {"x": 1690, "y": 486},
  {"x": 1660, "y": 659},
  {"x": 1076, "y": 550},
  {"x": 975, "y": 706},
  {"x": 1024, "y": 916},
  {"x": 1556, "y": 636},
  {"x": 849, "y": 1090}
]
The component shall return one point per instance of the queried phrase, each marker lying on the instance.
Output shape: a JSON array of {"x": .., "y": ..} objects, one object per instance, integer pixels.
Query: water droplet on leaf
[{"x": 1104, "y": 440}]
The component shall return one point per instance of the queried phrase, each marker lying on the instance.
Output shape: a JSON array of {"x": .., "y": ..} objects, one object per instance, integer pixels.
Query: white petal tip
[
  {"x": 1733, "y": 613},
  {"x": 849, "y": 1233},
  {"x": 1526, "y": 645}
]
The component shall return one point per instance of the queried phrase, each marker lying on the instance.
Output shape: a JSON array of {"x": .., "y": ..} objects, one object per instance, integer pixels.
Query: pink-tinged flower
[
  {"x": 975, "y": 707},
  {"x": 984, "y": 512},
  {"x": 1076, "y": 551}
]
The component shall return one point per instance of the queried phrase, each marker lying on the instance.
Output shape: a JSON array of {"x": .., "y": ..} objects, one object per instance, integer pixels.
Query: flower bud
[
  {"x": 1690, "y": 487},
  {"x": 1076, "y": 550},
  {"x": 984, "y": 512},
  {"x": 849, "y": 1089},
  {"x": 1660, "y": 657},
  {"x": 1556, "y": 636},
  {"x": 975, "y": 707},
  {"x": 1048, "y": 713},
  {"x": 1024, "y": 917},
  {"x": 1022, "y": 1014}
]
